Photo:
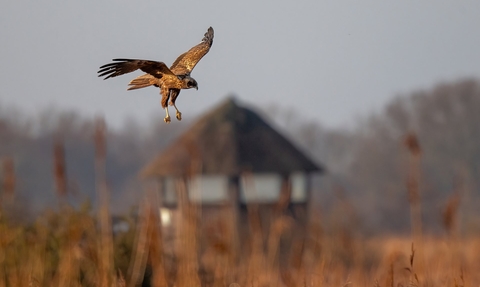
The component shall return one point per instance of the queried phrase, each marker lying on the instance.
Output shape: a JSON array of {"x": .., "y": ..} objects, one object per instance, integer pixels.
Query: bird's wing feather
[
  {"x": 185, "y": 63},
  {"x": 124, "y": 66}
]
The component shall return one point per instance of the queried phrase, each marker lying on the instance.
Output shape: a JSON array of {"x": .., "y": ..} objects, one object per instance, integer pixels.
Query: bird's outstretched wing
[
  {"x": 124, "y": 66},
  {"x": 185, "y": 63}
]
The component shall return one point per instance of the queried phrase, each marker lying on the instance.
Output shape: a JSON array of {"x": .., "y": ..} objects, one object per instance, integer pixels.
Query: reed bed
[
  {"x": 83, "y": 247},
  {"x": 62, "y": 249}
]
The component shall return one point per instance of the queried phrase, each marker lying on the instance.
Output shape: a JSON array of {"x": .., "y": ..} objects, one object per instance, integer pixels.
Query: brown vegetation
[
  {"x": 63, "y": 249},
  {"x": 82, "y": 246}
]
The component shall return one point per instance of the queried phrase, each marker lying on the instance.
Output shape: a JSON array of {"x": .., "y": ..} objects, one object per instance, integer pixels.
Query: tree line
[{"x": 367, "y": 164}]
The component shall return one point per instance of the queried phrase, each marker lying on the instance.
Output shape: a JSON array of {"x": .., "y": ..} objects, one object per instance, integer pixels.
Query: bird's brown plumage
[
  {"x": 169, "y": 80},
  {"x": 185, "y": 63}
]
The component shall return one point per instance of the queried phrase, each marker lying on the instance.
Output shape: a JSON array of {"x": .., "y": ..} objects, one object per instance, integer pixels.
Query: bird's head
[{"x": 190, "y": 82}]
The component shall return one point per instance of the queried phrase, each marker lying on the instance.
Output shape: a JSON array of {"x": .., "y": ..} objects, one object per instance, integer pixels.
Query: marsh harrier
[{"x": 169, "y": 80}]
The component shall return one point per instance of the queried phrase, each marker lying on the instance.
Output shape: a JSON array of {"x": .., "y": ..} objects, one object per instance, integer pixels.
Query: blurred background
[
  {"x": 345, "y": 81},
  {"x": 350, "y": 83}
]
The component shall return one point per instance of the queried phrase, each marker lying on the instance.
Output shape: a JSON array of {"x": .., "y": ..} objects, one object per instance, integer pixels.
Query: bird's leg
[
  {"x": 178, "y": 114},
  {"x": 167, "y": 117}
]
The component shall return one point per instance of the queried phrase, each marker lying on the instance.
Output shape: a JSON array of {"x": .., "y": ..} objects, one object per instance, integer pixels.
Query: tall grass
[{"x": 77, "y": 246}]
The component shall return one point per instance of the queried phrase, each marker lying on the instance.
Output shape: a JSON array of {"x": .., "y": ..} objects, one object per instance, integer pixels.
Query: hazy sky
[{"x": 332, "y": 60}]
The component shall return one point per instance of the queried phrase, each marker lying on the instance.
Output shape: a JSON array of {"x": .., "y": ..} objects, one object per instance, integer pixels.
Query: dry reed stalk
[
  {"x": 137, "y": 266},
  {"x": 450, "y": 223},
  {"x": 187, "y": 222},
  {"x": 263, "y": 264},
  {"x": 3, "y": 277},
  {"x": 313, "y": 246},
  {"x": 279, "y": 226},
  {"x": 106, "y": 242},
  {"x": 413, "y": 280},
  {"x": 294, "y": 271},
  {"x": 155, "y": 247},
  {"x": 226, "y": 251},
  {"x": 413, "y": 187},
  {"x": 316, "y": 276},
  {"x": 279, "y": 223},
  {"x": 413, "y": 182},
  {"x": 59, "y": 168},
  {"x": 34, "y": 269},
  {"x": 119, "y": 281},
  {"x": 220, "y": 257},
  {"x": 67, "y": 267},
  {"x": 390, "y": 277},
  {"x": 232, "y": 235},
  {"x": 285, "y": 196},
  {"x": 450, "y": 213},
  {"x": 9, "y": 179},
  {"x": 187, "y": 245},
  {"x": 258, "y": 269},
  {"x": 148, "y": 245}
]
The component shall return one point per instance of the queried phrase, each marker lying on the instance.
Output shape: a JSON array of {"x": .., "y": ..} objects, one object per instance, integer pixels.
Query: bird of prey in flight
[{"x": 169, "y": 80}]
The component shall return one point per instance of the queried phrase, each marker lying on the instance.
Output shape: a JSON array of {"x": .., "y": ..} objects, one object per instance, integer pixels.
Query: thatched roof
[{"x": 229, "y": 140}]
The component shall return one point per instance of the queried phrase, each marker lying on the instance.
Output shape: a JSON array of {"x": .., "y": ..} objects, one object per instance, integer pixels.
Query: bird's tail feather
[{"x": 142, "y": 82}]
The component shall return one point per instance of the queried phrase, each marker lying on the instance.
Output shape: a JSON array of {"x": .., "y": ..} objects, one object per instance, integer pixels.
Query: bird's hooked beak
[{"x": 196, "y": 88}]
